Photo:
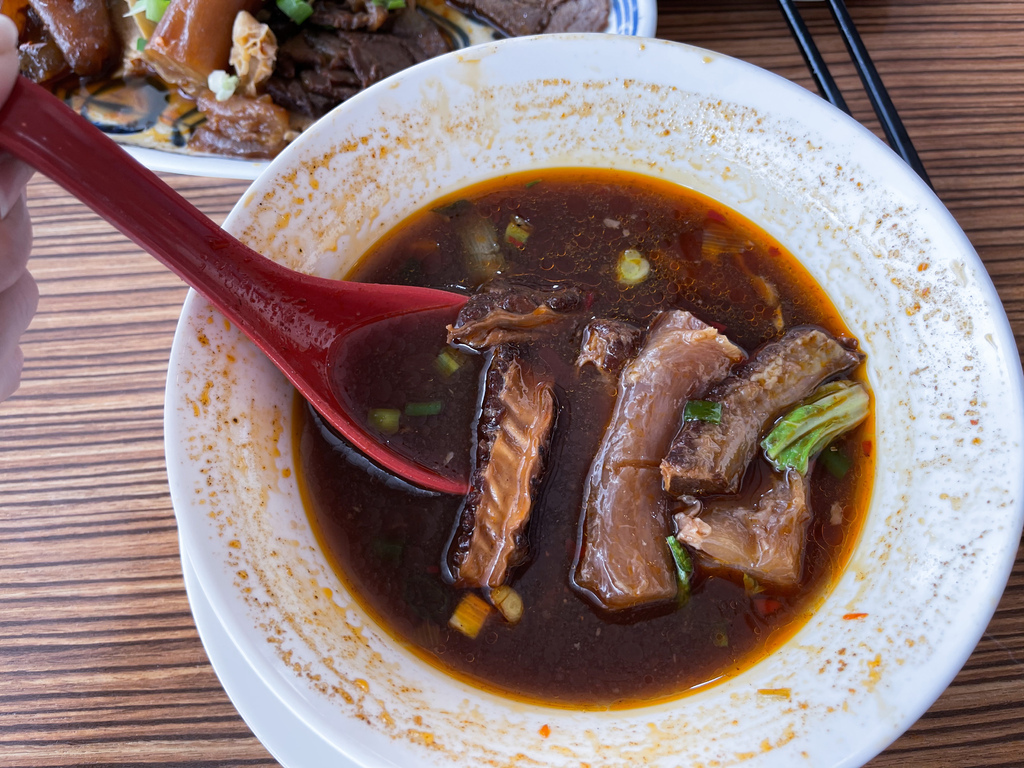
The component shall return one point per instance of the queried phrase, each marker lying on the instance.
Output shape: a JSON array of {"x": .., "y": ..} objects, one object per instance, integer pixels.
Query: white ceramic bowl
[{"x": 945, "y": 516}]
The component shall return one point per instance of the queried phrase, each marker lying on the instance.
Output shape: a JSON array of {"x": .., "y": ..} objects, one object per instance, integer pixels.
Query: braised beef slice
[
  {"x": 517, "y": 414},
  {"x": 352, "y": 15},
  {"x": 608, "y": 345},
  {"x": 319, "y": 65},
  {"x": 711, "y": 458},
  {"x": 504, "y": 314},
  {"x": 530, "y": 17},
  {"x": 82, "y": 31},
  {"x": 766, "y": 542},
  {"x": 624, "y": 561}
]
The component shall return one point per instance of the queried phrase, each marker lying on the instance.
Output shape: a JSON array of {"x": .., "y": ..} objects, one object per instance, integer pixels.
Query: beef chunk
[
  {"x": 240, "y": 126},
  {"x": 503, "y": 314},
  {"x": 711, "y": 458},
  {"x": 350, "y": 15},
  {"x": 530, "y": 17},
  {"x": 82, "y": 31},
  {"x": 624, "y": 561},
  {"x": 318, "y": 67},
  {"x": 608, "y": 345},
  {"x": 516, "y": 420},
  {"x": 766, "y": 542}
]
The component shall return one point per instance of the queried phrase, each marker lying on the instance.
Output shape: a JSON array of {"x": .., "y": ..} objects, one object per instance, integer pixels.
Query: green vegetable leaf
[
  {"x": 140, "y": 44},
  {"x": 803, "y": 432},
  {"x": 702, "y": 410},
  {"x": 684, "y": 568},
  {"x": 296, "y": 10}
]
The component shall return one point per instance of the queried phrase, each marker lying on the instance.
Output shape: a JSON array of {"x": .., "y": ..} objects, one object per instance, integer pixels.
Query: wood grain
[{"x": 100, "y": 663}]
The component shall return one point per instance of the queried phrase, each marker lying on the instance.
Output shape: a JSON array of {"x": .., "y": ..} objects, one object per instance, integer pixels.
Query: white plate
[
  {"x": 638, "y": 18},
  {"x": 945, "y": 518}
]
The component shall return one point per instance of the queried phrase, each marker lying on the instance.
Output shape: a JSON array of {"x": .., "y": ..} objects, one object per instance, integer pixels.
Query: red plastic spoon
[{"x": 295, "y": 319}]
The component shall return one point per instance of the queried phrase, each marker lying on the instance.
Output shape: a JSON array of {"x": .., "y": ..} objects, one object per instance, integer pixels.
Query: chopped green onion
[
  {"x": 140, "y": 44},
  {"x": 390, "y": 5},
  {"x": 702, "y": 410},
  {"x": 802, "y": 433},
  {"x": 389, "y": 552},
  {"x": 385, "y": 420},
  {"x": 432, "y": 408},
  {"x": 751, "y": 586},
  {"x": 684, "y": 568},
  {"x": 508, "y": 602},
  {"x": 296, "y": 10},
  {"x": 836, "y": 462},
  {"x": 154, "y": 9},
  {"x": 222, "y": 84},
  {"x": 533, "y": 183},
  {"x": 720, "y": 637},
  {"x": 470, "y": 615},
  {"x": 518, "y": 231},
  {"x": 448, "y": 362},
  {"x": 632, "y": 268}
]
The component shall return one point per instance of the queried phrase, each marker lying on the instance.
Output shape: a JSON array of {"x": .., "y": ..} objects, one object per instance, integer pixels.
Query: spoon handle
[
  {"x": 56, "y": 141},
  {"x": 246, "y": 287}
]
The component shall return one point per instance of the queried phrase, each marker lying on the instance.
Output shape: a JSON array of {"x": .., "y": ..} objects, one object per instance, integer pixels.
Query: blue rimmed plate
[{"x": 153, "y": 124}]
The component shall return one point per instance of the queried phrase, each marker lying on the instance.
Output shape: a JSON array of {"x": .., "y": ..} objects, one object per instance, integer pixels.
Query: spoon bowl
[{"x": 299, "y": 321}]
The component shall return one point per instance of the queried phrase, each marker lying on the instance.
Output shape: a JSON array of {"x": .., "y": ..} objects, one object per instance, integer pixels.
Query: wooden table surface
[{"x": 100, "y": 662}]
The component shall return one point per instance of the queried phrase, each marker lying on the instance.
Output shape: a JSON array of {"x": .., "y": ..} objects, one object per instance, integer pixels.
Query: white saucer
[{"x": 292, "y": 743}]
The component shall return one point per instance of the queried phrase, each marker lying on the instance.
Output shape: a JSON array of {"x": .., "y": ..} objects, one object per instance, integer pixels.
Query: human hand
[{"x": 18, "y": 292}]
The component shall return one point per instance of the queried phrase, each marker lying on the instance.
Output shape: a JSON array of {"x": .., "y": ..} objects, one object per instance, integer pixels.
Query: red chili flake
[
  {"x": 852, "y": 616},
  {"x": 718, "y": 327},
  {"x": 589, "y": 301},
  {"x": 545, "y": 730},
  {"x": 974, "y": 422},
  {"x": 766, "y": 606},
  {"x": 866, "y": 447},
  {"x": 773, "y": 251},
  {"x": 716, "y": 216}
]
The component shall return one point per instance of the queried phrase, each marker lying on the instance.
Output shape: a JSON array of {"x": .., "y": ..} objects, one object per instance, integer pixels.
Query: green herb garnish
[
  {"x": 518, "y": 231},
  {"x": 702, "y": 410},
  {"x": 296, "y": 10},
  {"x": 385, "y": 420},
  {"x": 448, "y": 362},
  {"x": 432, "y": 408},
  {"x": 154, "y": 10},
  {"x": 140, "y": 44},
  {"x": 836, "y": 461},
  {"x": 684, "y": 568}
]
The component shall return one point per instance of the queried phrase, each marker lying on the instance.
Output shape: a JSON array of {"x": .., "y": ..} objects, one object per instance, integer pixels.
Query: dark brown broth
[{"x": 387, "y": 543}]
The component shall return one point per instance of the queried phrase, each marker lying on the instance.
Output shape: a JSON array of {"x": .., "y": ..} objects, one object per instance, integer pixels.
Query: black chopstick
[
  {"x": 895, "y": 132},
  {"x": 819, "y": 69}
]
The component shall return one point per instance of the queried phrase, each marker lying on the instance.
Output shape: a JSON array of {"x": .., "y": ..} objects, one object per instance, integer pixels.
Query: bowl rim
[{"x": 897, "y": 174}]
